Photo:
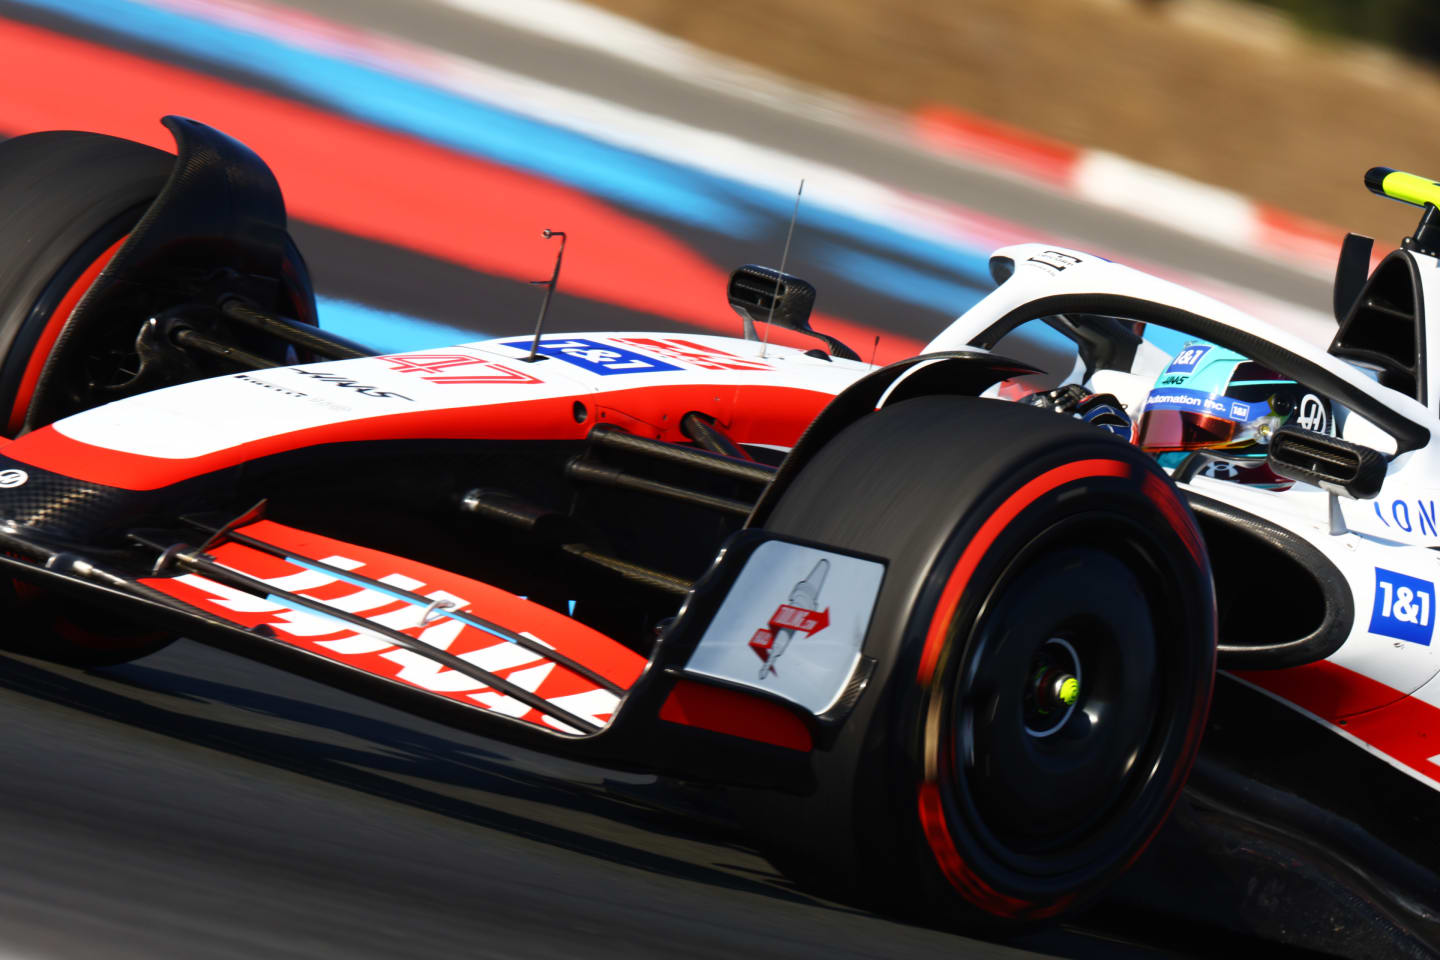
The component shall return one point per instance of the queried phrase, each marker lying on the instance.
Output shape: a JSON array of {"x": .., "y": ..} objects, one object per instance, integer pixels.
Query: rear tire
[{"x": 1022, "y": 548}]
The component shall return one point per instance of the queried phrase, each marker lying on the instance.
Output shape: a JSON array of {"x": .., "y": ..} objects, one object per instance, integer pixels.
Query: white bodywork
[
  {"x": 207, "y": 417},
  {"x": 1383, "y": 547}
]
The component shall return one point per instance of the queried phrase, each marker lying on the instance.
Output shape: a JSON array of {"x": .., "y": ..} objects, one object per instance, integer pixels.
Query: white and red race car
[{"x": 954, "y": 655}]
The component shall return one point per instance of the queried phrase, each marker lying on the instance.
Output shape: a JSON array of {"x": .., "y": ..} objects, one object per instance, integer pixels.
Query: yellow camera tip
[{"x": 1402, "y": 186}]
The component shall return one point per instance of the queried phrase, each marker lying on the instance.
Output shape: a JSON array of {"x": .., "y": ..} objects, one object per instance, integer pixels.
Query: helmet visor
[{"x": 1168, "y": 430}]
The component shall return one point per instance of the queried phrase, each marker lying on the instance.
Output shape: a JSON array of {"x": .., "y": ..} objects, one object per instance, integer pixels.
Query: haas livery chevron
[{"x": 948, "y": 629}]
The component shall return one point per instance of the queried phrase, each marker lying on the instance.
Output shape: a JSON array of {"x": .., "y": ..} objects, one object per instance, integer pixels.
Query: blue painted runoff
[{"x": 648, "y": 184}]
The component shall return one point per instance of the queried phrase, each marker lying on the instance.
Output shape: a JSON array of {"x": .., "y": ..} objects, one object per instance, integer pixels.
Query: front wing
[{"x": 758, "y": 665}]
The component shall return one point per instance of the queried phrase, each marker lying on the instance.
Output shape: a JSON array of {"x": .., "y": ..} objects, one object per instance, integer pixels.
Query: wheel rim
[
  {"x": 1050, "y": 789},
  {"x": 1036, "y": 789}
]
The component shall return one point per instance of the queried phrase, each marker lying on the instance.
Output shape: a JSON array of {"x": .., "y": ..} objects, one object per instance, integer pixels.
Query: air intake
[{"x": 1327, "y": 462}]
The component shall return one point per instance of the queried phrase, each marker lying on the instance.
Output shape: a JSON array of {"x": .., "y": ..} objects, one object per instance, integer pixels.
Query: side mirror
[
  {"x": 1327, "y": 462},
  {"x": 765, "y": 295}
]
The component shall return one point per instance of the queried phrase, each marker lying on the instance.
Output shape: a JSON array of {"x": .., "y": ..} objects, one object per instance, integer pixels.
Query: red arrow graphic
[{"x": 808, "y": 622}]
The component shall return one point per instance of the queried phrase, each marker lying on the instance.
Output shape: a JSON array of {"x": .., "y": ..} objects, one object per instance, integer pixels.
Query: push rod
[
  {"x": 322, "y": 343},
  {"x": 615, "y": 438}
]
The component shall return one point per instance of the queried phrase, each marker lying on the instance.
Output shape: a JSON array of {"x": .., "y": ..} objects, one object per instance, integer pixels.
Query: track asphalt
[{"x": 193, "y": 805}]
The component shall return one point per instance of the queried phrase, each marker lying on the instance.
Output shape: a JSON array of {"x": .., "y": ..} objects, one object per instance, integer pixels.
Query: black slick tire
[
  {"x": 66, "y": 199},
  {"x": 1025, "y": 550}
]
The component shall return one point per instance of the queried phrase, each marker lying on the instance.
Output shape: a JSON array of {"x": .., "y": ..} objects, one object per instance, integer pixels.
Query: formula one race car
[{"x": 952, "y": 654}]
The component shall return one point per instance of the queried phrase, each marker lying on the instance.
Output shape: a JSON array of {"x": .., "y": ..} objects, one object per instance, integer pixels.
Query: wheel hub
[
  {"x": 1058, "y": 702},
  {"x": 1053, "y": 689}
]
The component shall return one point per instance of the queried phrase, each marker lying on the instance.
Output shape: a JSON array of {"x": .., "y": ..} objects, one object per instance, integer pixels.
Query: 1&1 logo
[
  {"x": 606, "y": 359},
  {"x": 1404, "y": 607},
  {"x": 1186, "y": 359}
]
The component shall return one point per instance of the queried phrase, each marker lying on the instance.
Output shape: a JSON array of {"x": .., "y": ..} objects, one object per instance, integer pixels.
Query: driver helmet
[{"x": 1213, "y": 399}]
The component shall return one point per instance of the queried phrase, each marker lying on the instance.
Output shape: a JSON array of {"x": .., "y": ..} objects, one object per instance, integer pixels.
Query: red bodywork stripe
[
  {"x": 750, "y": 414},
  {"x": 736, "y": 714},
  {"x": 1407, "y": 730},
  {"x": 1402, "y": 727},
  {"x": 363, "y": 180},
  {"x": 41, "y": 351},
  {"x": 1326, "y": 689}
]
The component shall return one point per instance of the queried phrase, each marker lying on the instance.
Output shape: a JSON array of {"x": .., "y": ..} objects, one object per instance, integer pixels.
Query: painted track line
[
  {"x": 404, "y": 86},
  {"x": 945, "y": 236},
  {"x": 1105, "y": 179},
  {"x": 386, "y": 186},
  {"x": 835, "y": 198}
]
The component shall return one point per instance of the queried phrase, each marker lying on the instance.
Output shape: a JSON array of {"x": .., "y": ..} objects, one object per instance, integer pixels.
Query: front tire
[
  {"x": 67, "y": 200},
  {"x": 1045, "y": 646},
  {"x": 70, "y": 632},
  {"x": 110, "y": 250}
]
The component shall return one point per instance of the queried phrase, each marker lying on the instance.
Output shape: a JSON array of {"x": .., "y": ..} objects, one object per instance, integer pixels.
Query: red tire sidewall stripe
[
  {"x": 1033, "y": 490},
  {"x": 56, "y": 322},
  {"x": 1176, "y": 514},
  {"x": 1164, "y": 496},
  {"x": 933, "y": 820},
  {"x": 958, "y": 872}
]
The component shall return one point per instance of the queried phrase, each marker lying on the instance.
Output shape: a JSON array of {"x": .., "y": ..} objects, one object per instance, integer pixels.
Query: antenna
[
  {"x": 784, "y": 255},
  {"x": 549, "y": 292},
  {"x": 874, "y": 350}
]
